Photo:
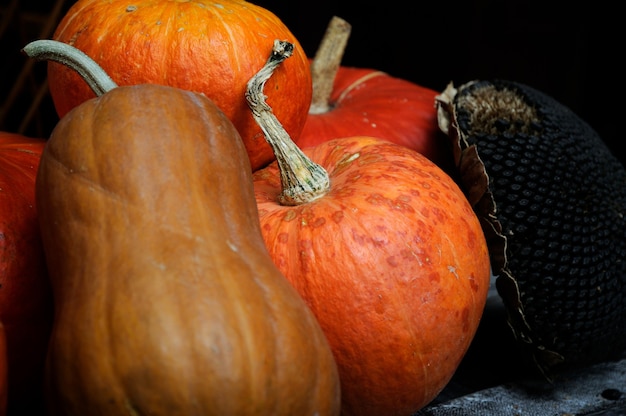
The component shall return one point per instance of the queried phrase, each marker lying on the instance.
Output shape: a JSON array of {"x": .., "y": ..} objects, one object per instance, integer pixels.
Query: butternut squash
[{"x": 166, "y": 299}]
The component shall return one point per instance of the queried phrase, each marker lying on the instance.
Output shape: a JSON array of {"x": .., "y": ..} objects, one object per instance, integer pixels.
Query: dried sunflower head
[{"x": 552, "y": 200}]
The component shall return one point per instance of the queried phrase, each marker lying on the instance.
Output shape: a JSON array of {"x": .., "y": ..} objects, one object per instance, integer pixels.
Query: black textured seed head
[{"x": 552, "y": 200}]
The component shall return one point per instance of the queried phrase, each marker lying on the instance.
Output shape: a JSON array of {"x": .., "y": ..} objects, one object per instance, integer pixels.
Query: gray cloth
[{"x": 598, "y": 390}]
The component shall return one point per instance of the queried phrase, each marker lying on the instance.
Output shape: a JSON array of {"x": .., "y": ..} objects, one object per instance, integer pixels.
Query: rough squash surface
[
  {"x": 167, "y": 302},
  {"x": 384, "y": 247},
  {"x": 392, "y": 261}
]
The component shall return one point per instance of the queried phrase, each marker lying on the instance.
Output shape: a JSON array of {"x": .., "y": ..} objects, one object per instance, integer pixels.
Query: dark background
[{"x": 571, "y": 52}]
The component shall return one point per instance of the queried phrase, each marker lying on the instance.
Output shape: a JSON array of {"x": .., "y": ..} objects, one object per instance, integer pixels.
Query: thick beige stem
[
  {"x": 301, "y": 179},
  {"x": 326, "y": 63}
]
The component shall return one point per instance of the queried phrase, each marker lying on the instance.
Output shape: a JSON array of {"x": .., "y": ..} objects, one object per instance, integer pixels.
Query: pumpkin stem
[
  {"x": 302, "y": 180},
  {"x": 326, "y": 63},
  {"x": 93, "y": 74}
]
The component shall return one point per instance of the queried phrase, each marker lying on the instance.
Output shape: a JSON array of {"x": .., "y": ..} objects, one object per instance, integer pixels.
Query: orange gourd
[{"x": 211, "y": 47}]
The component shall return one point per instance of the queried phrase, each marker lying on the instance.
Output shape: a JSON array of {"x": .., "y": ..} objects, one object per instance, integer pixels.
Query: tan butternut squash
[{"x": 166, "y": 299}]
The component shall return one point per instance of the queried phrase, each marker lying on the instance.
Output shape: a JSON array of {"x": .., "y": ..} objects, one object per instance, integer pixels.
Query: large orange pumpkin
[
  {"x": 388, "y": 253},
  {"x": 211, "y": 47}
]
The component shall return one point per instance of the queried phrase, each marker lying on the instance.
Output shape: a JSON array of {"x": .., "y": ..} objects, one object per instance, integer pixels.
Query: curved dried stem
[{"x": 302, "y": 180}]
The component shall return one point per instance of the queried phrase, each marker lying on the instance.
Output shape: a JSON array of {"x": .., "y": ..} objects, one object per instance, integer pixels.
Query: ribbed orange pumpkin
[{"x": 211, "y": 47}]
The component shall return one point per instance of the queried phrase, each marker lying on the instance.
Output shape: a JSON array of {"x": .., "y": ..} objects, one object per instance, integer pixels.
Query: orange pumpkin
[
  {"x": 25, "y": 293},
  {"x": 3, "y": 372},
  {"x": 368, "y": 102},
  {"x": 351, "y": 101},
  {"x": 388, "y": 253},
  {"x": 211, "y": 47}
]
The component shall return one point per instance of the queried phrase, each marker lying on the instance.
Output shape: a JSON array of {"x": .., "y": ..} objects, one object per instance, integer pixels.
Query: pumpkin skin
[
  {"x": 3, "y": 372},
  {"x": 367, "y": 102},
  {"x": 167, "y": 302},
  {"x": 393, "y": 263},
  {"x": 25, "y": 293},
  {"x": 211, "y": 47}
]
